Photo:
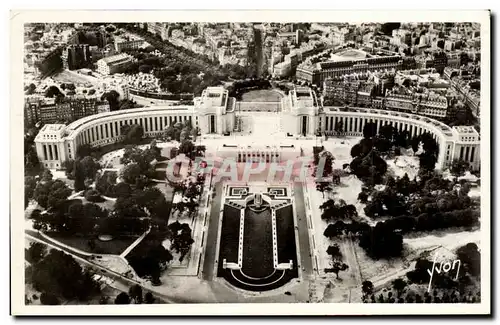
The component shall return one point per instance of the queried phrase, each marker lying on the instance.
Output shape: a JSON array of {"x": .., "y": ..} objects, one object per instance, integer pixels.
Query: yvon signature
[{"x": 444, "y": 266}]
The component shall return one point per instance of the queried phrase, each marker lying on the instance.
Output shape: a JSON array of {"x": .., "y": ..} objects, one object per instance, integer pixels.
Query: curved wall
[
  {"x": 102, "y": 129},
  {"x": 353, "y": 121}
]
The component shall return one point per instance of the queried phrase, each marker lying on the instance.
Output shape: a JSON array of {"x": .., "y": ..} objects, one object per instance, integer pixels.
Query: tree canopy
[{"x": 60, "y": 275}]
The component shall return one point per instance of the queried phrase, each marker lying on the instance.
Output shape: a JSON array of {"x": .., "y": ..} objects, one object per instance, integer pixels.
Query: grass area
[
  {"x": 286, "y": 235},
  {"x": 162, "y": 165},
  {"x": 107, "y": 204},
  {"x": 230, "y": 234},
  {"x": 261, "y": 95},
  {"x": 115, "y": 246},
  {"x": 159, "y": 174}
]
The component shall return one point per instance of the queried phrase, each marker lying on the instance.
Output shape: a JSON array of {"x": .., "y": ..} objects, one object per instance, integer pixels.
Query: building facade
[
  {"x": 318, "y": 73},
  {"x": 76, "y": 57},
  {"x": 213, "y": 112},
  {"x": 134, "y": 44},
  {"x": 113, "y": 64},
  {"x": 48, "y": 111},
  {"x": 310, "y": 120}
]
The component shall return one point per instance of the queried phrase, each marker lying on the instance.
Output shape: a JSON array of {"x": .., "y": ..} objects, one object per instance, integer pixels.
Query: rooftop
[
  {"x": 52, "y": 127},
  {"x": 465, "y": 129},
  {"x": 349, "y": 55},
  {"x": 115, "y": 58},
  {"x": 215, "y": 96}
]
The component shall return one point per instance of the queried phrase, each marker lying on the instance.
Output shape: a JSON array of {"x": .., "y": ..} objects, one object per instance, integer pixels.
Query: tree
[
  {"x": 336, "y": 176},
  {"x": 31, "y": 161},
  {"x": 370, "y": 168},
  {"x": 122, "y": 189},
  {"x": 131, "y": 173},
  {"x": 51, "y": 194},
  {"x": 334, "y": 252},
  {"x": 122, "y": 299},
  {"x": 144, "y": 68},
  {"x": 326, "y": 162},
  {"x": 387, "y": 28},
  {"x": 59, "y": 274},
  {"x": 337, "y": 266},
  {"x": 148, "y": 298},
  {"x": 93, "y": 196},
  {"x": 427, "y": 161},
  {"x": 35, "y": 252},
  {"x": 90, "y": 167},
  {"x": 459, "y": 167},
  {"x": 324, "y": 187},
  {"x": 133, "y": 134},
  {"x": 369, "y": 130},
  {"x": 31, "y": 89},
  {"x": 339, "y": 127},
  {"x": 112, "y": 98},
  {"x": 181, "y": 238},
  {"x": 79, "y": 176},
  {"x": 53, "y": 91},
  {"x": 173, "y": 132},
  {"x": 150, "y": 259},
  {"x": 49, "y": 299},
  {"x": 194, "y": 133},
  {"x": 367, "y": 288},
  {"x": 135, "y": 292},
  {"x": 46, "y": 176},
  {"x": 187, "y": 148},
  {"x": 84, "y": 150},
  {"x": 29, "y": 188},
  {"x": 184, "y": 135},
  {"x": 335, "y": 229},
  {"x": 381, "y": 242},
  {"x": 470, "y": 256},
  {"x": 399, "y": 285},
  {"x": 363, "y": 197}
]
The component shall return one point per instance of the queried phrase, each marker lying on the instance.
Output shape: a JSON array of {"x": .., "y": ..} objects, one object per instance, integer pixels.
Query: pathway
[
  {"x": 212, "y": 235},
  {"x": 135, "y": 243},
  {"x": 304, "y": 245}
]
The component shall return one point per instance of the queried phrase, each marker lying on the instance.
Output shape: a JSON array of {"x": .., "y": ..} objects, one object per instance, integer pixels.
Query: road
[
  {"x": 212, "y": 235},
  {"x": 259, "y": 53},
  {"x": 304, "y": 245}
]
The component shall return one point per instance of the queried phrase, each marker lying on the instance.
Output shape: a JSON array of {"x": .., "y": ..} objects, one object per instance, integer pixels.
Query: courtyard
[{"x": 261, "y": 95}]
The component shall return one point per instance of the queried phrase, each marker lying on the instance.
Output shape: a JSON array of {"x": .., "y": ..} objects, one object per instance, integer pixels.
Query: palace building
[{"x": 214, "y": 113}]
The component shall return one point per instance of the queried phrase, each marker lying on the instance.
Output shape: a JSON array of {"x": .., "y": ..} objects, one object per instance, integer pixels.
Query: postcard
[{"x": 250, "y": 163}]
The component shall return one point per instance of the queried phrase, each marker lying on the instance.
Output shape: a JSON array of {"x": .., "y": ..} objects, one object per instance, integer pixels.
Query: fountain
[{"x": 257, "y": 204}]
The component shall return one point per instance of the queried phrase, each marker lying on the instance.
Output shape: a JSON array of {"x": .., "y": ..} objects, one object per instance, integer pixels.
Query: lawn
[
  {"x": 107, "y": 204},
  {"x": 286, "y": 235},
  {"x": 261, "y": 95},
  {"x": 115, "y": 246},
  {"x": 230, "y": 235},
  {"x": 161, "y": 165},
  {"x": 159, "y": 174}
]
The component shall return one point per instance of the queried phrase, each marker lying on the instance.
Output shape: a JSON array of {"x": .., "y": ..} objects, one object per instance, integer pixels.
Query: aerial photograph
[{"x": 252, "y": 162}]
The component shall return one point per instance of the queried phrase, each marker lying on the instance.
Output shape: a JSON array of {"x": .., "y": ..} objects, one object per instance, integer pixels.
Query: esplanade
[{"x": 214, "y": 112}]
